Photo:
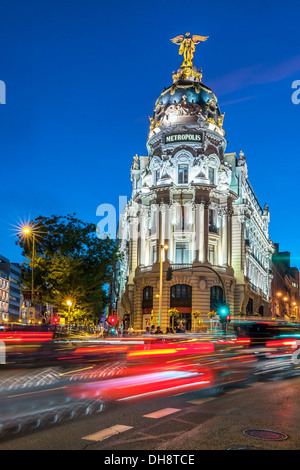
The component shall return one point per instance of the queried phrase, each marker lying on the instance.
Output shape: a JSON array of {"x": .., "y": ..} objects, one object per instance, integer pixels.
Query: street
[{"x": 182, "y": 422}]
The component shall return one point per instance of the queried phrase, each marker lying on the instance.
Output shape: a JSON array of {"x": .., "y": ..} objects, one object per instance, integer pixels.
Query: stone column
[
  {"x": 229, "y": 236},
  {"x": 224, "y": 237},
  {"x": 199, "y": 228},
  {"x": 205, "y": 231}
]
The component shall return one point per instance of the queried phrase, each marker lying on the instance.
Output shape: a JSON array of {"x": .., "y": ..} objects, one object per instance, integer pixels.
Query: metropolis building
[{"x": 193, "y": 209}]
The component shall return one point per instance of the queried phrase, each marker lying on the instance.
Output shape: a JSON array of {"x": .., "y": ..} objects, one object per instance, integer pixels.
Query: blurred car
[
  {"x": 259, "y": 333},
  {"x": 274, "y": 345}
]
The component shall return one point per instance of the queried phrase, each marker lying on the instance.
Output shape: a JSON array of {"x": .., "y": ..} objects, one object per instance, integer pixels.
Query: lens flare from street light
[
  {"x": 69, "y": 303},
  {"x": 25, "y": 230}
]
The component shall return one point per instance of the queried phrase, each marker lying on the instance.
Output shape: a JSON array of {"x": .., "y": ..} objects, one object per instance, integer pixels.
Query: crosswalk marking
[
  {"x": 106, "y": 433},
  {"x": 161, "y": 413},
  {"x": 200, "y": 401}
]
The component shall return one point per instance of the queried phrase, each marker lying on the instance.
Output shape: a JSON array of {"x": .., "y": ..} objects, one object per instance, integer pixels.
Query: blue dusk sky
[{"x": 82, "y": 77}]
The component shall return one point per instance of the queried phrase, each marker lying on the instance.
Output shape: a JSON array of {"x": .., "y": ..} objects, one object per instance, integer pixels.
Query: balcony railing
[{"x": 181, "y": 265}]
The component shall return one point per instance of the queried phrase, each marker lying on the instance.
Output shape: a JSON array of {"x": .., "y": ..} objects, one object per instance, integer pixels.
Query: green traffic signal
[{"x": 223, "y": 312}]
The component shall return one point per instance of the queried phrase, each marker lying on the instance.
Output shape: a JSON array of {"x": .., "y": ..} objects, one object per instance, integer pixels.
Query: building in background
[
  {"x": 10, "y": 290},
  {"x": 14, "y": 292},
  {"x": 4, "y": 288},
  {"x": 193, "y": 210},
  {"x": 285, "y": 286}
]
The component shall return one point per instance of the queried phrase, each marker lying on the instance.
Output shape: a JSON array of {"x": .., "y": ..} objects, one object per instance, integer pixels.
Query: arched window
[
  {"x": 181, "y": 296},
  {"x": 147, "y": 297},
  {"x": 216, "y": 297},
  {"x": 249, "y": 307},
  {"x": 183, "y": 173}
]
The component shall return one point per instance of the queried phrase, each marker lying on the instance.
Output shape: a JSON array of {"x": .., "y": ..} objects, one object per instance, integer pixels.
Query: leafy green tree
[{"x": 70, "y": 263}]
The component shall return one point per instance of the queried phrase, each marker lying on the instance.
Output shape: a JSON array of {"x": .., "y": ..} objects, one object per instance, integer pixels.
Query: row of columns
[{"x": 198, "y": 235}]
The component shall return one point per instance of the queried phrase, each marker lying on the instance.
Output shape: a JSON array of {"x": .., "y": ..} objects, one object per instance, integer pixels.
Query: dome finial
[{"x": 187, "y": 46}]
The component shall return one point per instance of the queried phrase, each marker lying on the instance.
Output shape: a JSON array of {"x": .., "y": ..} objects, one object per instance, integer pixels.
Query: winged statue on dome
[{"x": 187, "y": 45}]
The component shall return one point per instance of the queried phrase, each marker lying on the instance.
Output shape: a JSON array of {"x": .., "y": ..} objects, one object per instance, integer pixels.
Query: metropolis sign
[{"x": 183, "y": 137}]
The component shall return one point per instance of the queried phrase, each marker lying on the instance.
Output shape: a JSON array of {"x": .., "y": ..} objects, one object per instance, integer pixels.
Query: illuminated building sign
[{"x": 183, "y": 137}]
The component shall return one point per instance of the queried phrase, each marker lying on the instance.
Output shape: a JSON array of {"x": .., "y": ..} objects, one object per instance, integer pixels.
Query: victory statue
[{"x": 187, "y": 46}]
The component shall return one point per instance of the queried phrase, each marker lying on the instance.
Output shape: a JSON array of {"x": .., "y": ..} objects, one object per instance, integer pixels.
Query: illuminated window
[
  {"x": 211, "y": 175},
  {"x": 154, "y": 254},
  {"x": 183, "y": 174},
  {"x": 182, "y": 253},
  {"x": 211, "y": 254}
]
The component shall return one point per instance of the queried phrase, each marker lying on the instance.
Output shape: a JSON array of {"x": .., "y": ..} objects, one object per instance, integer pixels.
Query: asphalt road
[{"x": 183, "y": 422}]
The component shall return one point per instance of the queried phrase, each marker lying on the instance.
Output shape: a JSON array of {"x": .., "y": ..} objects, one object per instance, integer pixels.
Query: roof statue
[{"x": 187, "y": 45}]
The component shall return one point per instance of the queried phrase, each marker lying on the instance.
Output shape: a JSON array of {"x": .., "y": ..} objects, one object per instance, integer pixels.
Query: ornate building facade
[{"x": 193, "y": 209}]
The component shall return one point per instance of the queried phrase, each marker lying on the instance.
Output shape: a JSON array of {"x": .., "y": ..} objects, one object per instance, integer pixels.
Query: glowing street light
[
  {"x": 28, "y": 231},
  {"x": 69, "y": 304}
]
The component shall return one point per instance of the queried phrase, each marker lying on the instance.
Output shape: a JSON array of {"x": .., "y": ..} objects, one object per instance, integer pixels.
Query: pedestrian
[
  {"x": 147, "y": 331},
  {"x": 158, "y": 331},
  {"x": 130, "y": 331},
  {"x": 169, "y": 331}
]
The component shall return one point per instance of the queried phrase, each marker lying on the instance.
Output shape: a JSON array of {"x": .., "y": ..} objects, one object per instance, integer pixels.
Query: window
[
  {"x": 182, "y": 253},
  {"x": 154, "y": 254},
  {"x": 183, "y": 174},
  {"x": 147, "y": 297},
  {"x": 211, "y": 254},
  {"x": 211, "y": 175},
  {"x": 249, "y": 308},
  {"x": 156, "y": 176},
  {"x": 148, "y": 293},
  {"x": 216, "y": 297},
  {"x": 212, "y": 221},
  {"x": 181, "y": 295}
]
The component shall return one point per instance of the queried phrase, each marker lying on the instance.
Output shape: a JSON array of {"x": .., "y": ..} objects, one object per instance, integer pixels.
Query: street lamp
[
  {"x": 69, "y": 304},
  {"x": 29, "y": 231},
  {"x": 162, "y": 248}
]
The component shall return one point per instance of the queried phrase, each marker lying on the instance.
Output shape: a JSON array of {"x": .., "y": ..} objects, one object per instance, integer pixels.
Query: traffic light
[
  {"x": 223, "y": 312},
  {"x": 169, "y": 274},
  {"x": 112, "y": 320},
  {"x": 55, "y": 319}
]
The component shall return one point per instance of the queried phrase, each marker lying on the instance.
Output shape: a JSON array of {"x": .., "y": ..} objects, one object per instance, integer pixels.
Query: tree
[
  {"x": 70, "y": 262},
  {"x": 173, "y": 312},
  {"x": 195, "y": 315}
]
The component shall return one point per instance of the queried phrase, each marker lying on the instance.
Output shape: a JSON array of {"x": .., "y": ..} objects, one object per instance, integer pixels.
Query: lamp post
[
  {"x": 162, "y": 248},
  {"x": 69, "y": 303},
  {"x": 28, "y": 231}
]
